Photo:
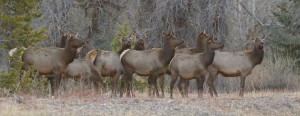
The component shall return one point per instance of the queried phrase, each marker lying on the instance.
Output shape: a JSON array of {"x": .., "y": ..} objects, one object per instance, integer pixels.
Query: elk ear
[
  {"x": 119, "y": 36},
  {"x": 65, "y": 34},
  {"x": 214, "y": 38},
  {"x": 133, "y": 33},
  {"x": 263, "y": 37},
  {"x": 210, "y": 40},
  {"x": 146, "y": 34},
  {"x": 167, "y": 36},
  {"x": 204, "y": 31},
  {"x": 165, "y": 33},
  {"x": 70, "y": 35},
  {"x": 200, "y": 33},
  {"x": 76, "y": 35}
]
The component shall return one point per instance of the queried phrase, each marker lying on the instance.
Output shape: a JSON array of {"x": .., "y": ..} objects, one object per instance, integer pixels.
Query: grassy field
[{"x": 89, "y": 103}]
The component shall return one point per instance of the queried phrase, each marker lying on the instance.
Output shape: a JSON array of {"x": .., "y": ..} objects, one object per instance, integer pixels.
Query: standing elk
[
  {"x": 201, "y": 41},
  {"x": 108, "y": 62},
  {"x": 152, "y": 63},
  {"x": 52, "y": 61},
  {"x": 81, "y": 69},
  {"x": 235, "y": 64},
  {"x": 189, "y": 66}
]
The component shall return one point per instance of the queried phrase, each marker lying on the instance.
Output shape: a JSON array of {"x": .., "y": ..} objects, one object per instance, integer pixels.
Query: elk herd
[{"x": 181, "y": 64}]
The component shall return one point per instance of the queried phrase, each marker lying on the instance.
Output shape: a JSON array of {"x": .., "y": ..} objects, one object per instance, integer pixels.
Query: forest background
[{"x": 97, "y": 22}]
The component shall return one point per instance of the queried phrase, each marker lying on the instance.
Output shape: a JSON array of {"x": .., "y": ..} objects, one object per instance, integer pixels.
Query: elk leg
[
  {"x": 122, "y": 85},
  {"x": 200, "y": 83},
  {"x": 212, "y": 77},
  {"x": 129, "y": 87},
  {"x": 152, "y": 81},
  {"x": 97, "y": 80},
  {"x": 64, "y": 83},
  {"x": 155, "y": 92},
  {"x": 96, "y": 83},
  {"x": 180, "y": 86},
  {"x": 156, "y": 88},
  {"x": 174, "y": 78},
  {"x": 54, "y": 82},
  {"x": 114, "y": 84},
  {"x": 243, "y": 78},
  {"x": 127, "y": 82},
  {"x": 161, "y": 84},
  {"x": 51, "y": 79},
  {"x": 186, "y": 88},
  {"x": 101, "y": 83},
  {"x": 149, "y": 86},
  {"x": 58, "y": 80}
]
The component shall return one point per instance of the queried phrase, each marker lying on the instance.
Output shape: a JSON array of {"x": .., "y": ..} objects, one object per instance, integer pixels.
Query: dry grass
[{"x": 255, "y": 103}]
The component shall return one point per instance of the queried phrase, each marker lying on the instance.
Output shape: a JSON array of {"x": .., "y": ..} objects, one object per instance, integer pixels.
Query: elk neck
[
  {"x": 199, "y": 47},
  {"x": 69, "y": 54},
  {"x": 123, "y": 48},
  {"x": 256, "y": 55},
  {"x": 167, "y": 53},
  {"x": 208, "y": 54}
]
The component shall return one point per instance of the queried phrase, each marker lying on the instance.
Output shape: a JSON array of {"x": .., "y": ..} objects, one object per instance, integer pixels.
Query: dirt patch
[{"x": 262, "y": 103}]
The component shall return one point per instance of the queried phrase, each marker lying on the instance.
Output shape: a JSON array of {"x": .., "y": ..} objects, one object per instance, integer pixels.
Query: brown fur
[
  {"x": 83, "y": 70},
  {"x": 235, "y": 64},
  {"x": 80, "y": 68},
  {"x": 199, "y": 46},
  {"x": 140, "y": 44},
  {"x": 189, "y": 66},
  {"x": 184, "y": 83},
  {"x": 150, "y": 63},
  {"x": 51, "y": 61},
  {"x": 108, "y": 62},
  {"x": 201, "y": 41}
]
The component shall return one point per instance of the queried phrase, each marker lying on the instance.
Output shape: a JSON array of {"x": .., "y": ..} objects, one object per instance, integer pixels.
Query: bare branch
[{"x": 259, "y": 22}]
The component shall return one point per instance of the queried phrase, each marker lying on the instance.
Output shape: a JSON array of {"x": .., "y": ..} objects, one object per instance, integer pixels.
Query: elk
[
  {"x": 108, "y": 62},
  {"x": 201, "y": 41},
  {"x": 81, "y": 69},
  {"x": 52, "y": 61},
  {"x": 84, "y": 70},
  {"x": 184, "y": 83},
  {"x": 199, "y": 46},
  {"x": 189, "y": 66},
  {"x": 232, "y": 64},
  {"x": 152, "y": 63}
]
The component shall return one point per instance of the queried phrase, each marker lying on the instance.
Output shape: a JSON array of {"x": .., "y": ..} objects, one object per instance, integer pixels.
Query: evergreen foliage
[
  {"x": 16, "y": 31},
  {"x": 122, "y": 30}
]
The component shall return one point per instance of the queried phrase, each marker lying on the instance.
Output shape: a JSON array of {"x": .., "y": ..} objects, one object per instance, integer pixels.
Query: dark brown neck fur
[
  {"x": 124, "y": 47},
  {"x": 69, "y": 54},
  {"x": 256, "y": 56},
  {"x": 63, "y": 42},
  {"x": 139, "y": 47},
  {"x": 208, "y": 55},
  {"x": 167, "y": 54},
  {"x": 199, "y": 47}
]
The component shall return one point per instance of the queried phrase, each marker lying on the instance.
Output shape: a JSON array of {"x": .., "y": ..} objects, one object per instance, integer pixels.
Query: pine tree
[
  {"x": 16, "y": 17},
  {"x": 16, "y": 31}
]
